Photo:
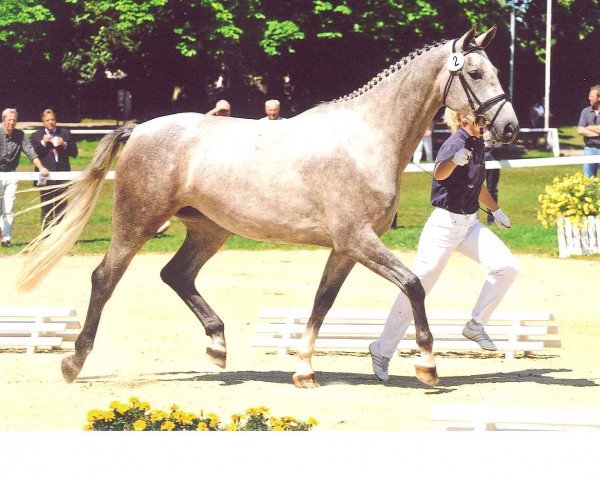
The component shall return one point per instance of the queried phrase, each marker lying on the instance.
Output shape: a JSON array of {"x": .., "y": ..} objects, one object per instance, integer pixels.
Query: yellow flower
[
  {"x": 202, "y": 427},
  {"x": 134, "y": 401},
  {"x": 312, "y": 421},
  {"x": 139, "y": 425},
  {"x": 174, "y": 408},
  {"x": 88, "y": 428},
  {"x": 167, "y": 425},
  {"x": 158, "y": 415},
  {"x": 232, "y": 427},
  {"x": 109, "y": 416},
  {"x": 573, "y": 196},
  {"x": 119, "y": 407},
  {"x": 236, "y": 417},
  {"x": 94, "y": 415}
]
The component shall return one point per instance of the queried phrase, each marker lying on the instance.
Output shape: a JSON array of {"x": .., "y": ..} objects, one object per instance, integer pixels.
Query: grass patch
[{"x": 518, "y": 192}]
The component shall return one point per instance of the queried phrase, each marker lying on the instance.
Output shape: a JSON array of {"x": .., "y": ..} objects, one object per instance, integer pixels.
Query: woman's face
[{"x": 469, "y": 126}]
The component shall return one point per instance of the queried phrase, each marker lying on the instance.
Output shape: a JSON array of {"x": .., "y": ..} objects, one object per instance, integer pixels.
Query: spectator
[
  {"x": 456, "y": 190},
  {"x": 222, "y": 109},
  {"x": 12, "y": 143},
  {"x": 492, "y": 175},
  {"x": 53, "y": 145},
  {"x": 536, "y": 115},
  {"x": 426, "y": 144},
  {"x": 589, "y": 127},
  {"x": 272, "y": 109}
]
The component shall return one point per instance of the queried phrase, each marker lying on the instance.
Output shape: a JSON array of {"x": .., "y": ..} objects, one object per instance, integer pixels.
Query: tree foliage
[{"x": 175, "y": 40}]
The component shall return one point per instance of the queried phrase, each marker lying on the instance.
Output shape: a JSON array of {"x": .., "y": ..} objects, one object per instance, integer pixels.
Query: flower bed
[
  {"x": 572, "y": 203},
  {"x": 138, "y": 416}
]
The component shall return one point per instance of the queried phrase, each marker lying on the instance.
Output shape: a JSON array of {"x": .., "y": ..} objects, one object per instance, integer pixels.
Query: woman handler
[{"x": 456, "y": 191}]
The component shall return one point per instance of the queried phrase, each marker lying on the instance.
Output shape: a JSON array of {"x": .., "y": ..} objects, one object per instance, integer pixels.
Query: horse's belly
[{"x": 271, "y": 224}]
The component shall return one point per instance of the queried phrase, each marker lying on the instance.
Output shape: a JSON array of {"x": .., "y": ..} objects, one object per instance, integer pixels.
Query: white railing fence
[{"x": 410, "y": 168}]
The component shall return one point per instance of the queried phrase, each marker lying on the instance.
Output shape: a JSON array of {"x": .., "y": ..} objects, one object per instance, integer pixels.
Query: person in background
[
  {"x": 589, "y": 127},
  {"x": 222, "y": 109},
  {"x": 536, "y": 115},
  {"x": 456, "y": 190},
  {"x": 273, "y": 110},
  {"x": 12, "y": 143},
  {"x": 53, "y": 145},
  {"x": 492, "y": 175},
  {"x": 426, "y": 144}
]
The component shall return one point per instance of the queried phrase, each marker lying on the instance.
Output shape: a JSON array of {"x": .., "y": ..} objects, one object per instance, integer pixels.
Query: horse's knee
[
  {"x": 100, "y": 280},
  {"x": 176, "y": 280},
  {"x": 168, "y": 276},
  {"x": 414, "y": 289}
]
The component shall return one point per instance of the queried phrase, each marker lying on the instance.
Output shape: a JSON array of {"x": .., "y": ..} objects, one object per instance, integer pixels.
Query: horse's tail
[{"x": 81, "y": 196}]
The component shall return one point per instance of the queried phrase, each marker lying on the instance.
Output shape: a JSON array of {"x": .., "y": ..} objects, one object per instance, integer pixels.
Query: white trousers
[
  {"x": 445, "y": 232},
  {"x": 8, "y": 192},
  {"x": 426, "y": 144}
]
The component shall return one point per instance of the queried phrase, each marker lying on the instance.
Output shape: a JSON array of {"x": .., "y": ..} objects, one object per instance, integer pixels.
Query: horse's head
[{"x": 470, "y": 85}]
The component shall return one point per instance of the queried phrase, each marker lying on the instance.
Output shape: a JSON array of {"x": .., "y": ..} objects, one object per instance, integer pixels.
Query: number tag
[{"x": 455, "y": 62}]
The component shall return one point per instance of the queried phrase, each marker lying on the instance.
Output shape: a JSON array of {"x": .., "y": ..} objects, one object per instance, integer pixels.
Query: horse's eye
[{"x": 475, "y": 74}]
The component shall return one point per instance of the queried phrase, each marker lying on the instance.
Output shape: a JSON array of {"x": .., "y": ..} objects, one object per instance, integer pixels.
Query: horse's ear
[
  {"x": 464, "y": 41},
  {"x": 484, "y": 39}
]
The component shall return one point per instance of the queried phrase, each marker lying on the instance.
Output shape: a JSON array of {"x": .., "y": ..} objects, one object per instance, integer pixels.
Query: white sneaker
[
  {"x": 163, "y": 228},
  {"x": 477, "y": 334},
  {"x": 380, "y": 364}
]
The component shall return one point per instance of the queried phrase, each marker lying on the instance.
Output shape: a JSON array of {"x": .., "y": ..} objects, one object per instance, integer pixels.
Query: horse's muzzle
[{"x": 510, "y": 132}]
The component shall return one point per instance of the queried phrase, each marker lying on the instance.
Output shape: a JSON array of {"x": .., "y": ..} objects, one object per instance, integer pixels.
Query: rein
[{"x": 455, "y": 65}]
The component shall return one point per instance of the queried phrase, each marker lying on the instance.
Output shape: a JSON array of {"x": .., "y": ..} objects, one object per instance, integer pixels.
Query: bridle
[{"x": 455, "y": 66}]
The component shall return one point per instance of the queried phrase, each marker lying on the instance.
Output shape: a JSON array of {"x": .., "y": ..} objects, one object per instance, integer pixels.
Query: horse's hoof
[
  {"x": 70, "y": 368},
  {"x": 305, "y": 381},
  {"x": 217, "y": 356},
  {"x": 428, "y": 375}
]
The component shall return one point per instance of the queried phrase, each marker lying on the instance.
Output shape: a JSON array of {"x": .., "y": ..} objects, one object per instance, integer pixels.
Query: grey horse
[{"x": 329, "y": 176}]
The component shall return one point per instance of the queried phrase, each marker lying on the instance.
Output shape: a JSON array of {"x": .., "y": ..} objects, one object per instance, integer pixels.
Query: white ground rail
[
  {"x": 355, "y": 329},
  {"x": 32, "y": 327}
]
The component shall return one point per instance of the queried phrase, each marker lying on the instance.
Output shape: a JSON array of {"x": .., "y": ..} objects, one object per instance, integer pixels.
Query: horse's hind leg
[
  {"x": 203, "y": 240},
  {"x": 372, "y": 253},
  {"x": 336, "y": 271},
  {"x": 104, "y": 280}
]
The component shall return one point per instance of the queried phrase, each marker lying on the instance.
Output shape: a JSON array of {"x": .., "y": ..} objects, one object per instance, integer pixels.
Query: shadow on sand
[{"x": 539, "y": 376}]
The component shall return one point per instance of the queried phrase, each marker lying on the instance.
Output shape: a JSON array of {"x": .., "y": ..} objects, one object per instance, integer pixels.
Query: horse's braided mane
[{"x": 388, "y": 71}]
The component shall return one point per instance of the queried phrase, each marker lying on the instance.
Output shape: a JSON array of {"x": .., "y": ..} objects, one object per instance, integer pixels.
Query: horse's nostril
[{"x": 510, "y": 130}]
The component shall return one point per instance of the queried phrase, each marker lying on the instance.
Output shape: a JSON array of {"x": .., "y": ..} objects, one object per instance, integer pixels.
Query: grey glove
[
  {"x": 501, "y": 219},
  {"x": 461, "y": 157}
]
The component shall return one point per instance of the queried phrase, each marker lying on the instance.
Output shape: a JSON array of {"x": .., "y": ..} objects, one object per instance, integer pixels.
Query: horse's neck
[{"x": 404, "y": 104}]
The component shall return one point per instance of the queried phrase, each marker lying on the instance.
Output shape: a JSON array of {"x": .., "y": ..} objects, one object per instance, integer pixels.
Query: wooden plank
[
  {"x": 69, "y": 324},
  {"x": 375, "y": 329},
  {"x": 30, "y": 327},
  {"x": 36, "y": 327},
  {"x": 37, "y": 312},
  {"x": 378, "y": 314},
  {"x": 490, "y": 418},
  {"x": 360, "y": 343},
  {"x": 356, "y": 328},
  {"x": 31, "y": 341}
]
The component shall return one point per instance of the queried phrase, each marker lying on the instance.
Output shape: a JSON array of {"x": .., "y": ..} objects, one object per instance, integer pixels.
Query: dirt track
[{"x": 150, "y": 346}]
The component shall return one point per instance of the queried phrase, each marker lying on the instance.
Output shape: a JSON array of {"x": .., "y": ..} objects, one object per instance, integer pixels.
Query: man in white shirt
[{"x": 272, "y": 109}]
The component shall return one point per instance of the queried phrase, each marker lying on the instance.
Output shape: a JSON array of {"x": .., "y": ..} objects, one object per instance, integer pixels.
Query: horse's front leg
[
  {"x": 373, "y": 254},
  {"x": 336, "y": 271}
]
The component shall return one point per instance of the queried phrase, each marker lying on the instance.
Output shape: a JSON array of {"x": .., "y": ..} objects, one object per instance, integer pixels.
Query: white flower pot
[{"x": 575, "y": 241}]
